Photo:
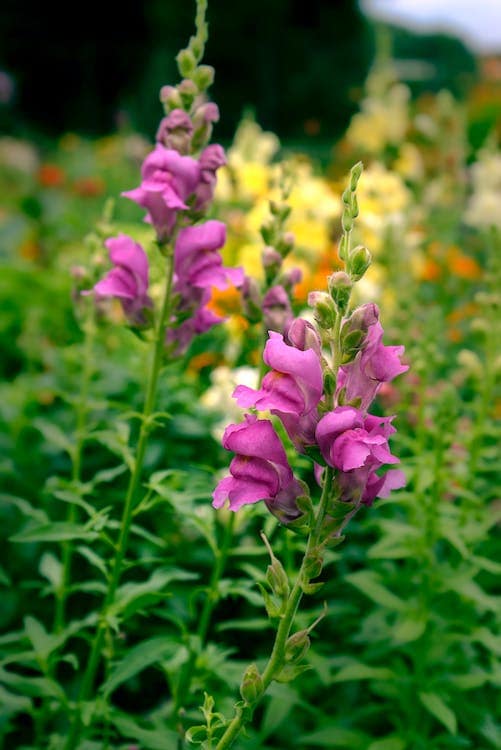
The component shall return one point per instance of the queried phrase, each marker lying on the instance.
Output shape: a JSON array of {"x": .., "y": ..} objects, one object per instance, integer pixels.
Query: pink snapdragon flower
[
  {"x": 277, "y": 310},
  {"x": 197, "y": 261},
  {"x": 211, "y": 159},
  {"x": 374, "y": 364},
  {"x": 168, "y": 180},
  {"x": 259, "y": 471},
  {"x": 294, "y": 385},
  {"x": 198, "y": 267},
  {"x": 357, "y": 446},
  {"x": 128, "y": 280}
]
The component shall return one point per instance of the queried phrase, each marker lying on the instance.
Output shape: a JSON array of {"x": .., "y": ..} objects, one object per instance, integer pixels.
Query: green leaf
[
  {"x": 4, "y": 577},
  {"x": 389, "y": 743},
  {"x": 51, "y": 568},
  {"x": 152, "y": 739},
  {"x": 409, "y": 628},
  {"x": 10, "y": 703},
  {"x": 133, "y": 596},
  {"x": 332, "y": 736},
  {"x": 369, "y": 583},
  {"x": 138, "y": 658},
  {"x": 359, "y": 671},
  {"x": 58, "y": 531},
  {"x": 436, "y": 706},
  {"x": 54, "y": 434},
  {"x": 43, "y": 643}
]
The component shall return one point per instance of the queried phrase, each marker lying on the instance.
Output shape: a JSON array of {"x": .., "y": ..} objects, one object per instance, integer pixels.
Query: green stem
[
  {"x": 211, "y": 600},
  {"x": 81, "y": 417},
  {"x": 277, "y": 657},
  {"x": 127, "y": 514}
]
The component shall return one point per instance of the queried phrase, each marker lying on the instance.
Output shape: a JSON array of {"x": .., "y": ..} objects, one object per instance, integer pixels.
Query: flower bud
[
  {"x": 291, "y": 277},
  {"x": 281, "y": 210},
  {"x": 296, "y": 647},
  {"x": 268, "y": 232},
  {"x": 340, "y": 286},
  {"x": 251, "y": 300},
  {"x": 175, "y": 131},
  {"x": 276, "y": 578},
  {"x": 358, "y": 262},
  {"x": 277, "y": 309},
  {"x": 271, "y": 258},
  {"x": 302, "y": 334},
  {"x": 169, "y": 96},
  {"x": 251, "y": 688},
  {"x": 186, "y": 63},
  {"x": 323, "y": 309},
  {"x": 286, "y": 243},
  {"x": 187, "y": 92},
  {"x": 204, "y": 77},
  {"x": 329, "y": 382},
  {"x": 355, "y": 174},
  {"x": 313, "y": 566}
]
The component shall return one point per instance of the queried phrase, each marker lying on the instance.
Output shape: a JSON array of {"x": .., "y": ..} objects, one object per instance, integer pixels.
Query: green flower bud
[
  {"x": 358, "y": 262},
  {"x": 268, "y": 232},
  {"x": 355, "y": 174},
  {"x": 276, "y": 578},
  {"x": 281, "y": 210},
  {"x": 251, "y": 688},
  {"x": 203, "y": 77},
  {"x": 296, "y": 647},
  {"x": 186, "y": 63},
  {"x": 347, "y": 221},
  {"x": 313, "y": 566},
  {"x": 329, "y": 382},
  {"x": 340, "y": 286},
  {"x": 323, "y": 309}
]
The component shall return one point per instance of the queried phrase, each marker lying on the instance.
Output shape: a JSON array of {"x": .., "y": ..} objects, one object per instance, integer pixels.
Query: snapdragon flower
[
  {"x": 128, "y": 280},
  {"x": 168, "y": 180},
  {"x": 259, "y": 470}
]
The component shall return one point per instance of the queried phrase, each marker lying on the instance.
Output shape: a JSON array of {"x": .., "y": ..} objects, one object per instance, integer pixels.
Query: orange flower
[
  {"x": 205, "y": 359},
  {"x": 89, "y": 187},
  {"x": 50, "y": 175},
  {"x": 431, "y": 270},
  {"x": 463, "y": 266},
  {"x": 225, "y": 302}
]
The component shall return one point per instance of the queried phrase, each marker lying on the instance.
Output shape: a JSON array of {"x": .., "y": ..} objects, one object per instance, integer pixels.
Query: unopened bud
[
  {"x": 285, "y": 243},
  {"x": 203, "y": 77},
  {"x": 268, "y": 232},
  {"x": 170, "y": 98},
  {"x": 323, "y": 309},
  {"x": 347, "y": 221},
  {"x": 186, "y": 63},
  {"x": 340, "y": 286},
  {"x": 302, "y": 335},
  {"x": 276, "y": 578},
  {"x": 296, "y": 647},
  {"x": 329, "y": 382},
  {"x": 252, "y": 687},
  {"x": 281, "y": 210},
  {"x": 271, "y": 258},
  {"x": 355, "y": 174},
  {"x": 358, "y": 262},
  {"x": 313, "y": 566},
  {"x": 187, "y": 92}
]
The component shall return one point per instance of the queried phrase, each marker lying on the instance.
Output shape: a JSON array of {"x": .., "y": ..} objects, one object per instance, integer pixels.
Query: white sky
[{"x": 476, "y": 22}]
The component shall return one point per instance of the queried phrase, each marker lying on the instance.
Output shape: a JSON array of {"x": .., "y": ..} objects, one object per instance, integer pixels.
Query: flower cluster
[
  {"x": 176, "y": 190},
  {"x": 348, "y": 439}
]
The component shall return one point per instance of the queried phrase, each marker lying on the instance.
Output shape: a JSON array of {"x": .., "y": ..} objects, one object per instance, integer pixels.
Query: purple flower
[
  {"x": 197, "y": 261},
  {"x": 259, "y": 471},
  {"x": 129, "y": 279},
  {"x": 198, "y": 267},
  {"x": 357, "y": 445},
  {"x": 303, "y": 335},
  {"x": 373, "y": 365},
  {"x": 168, "y": 180},
  {"x": 175, "y": 131},
  {"x": 277, "y": 310},
  {"x": 211, "y": 159},
  {"x": 294, "y": 385}
]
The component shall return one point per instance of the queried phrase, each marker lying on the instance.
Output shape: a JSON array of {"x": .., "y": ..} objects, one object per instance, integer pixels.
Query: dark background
[{"x": 88, "y": 66}]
